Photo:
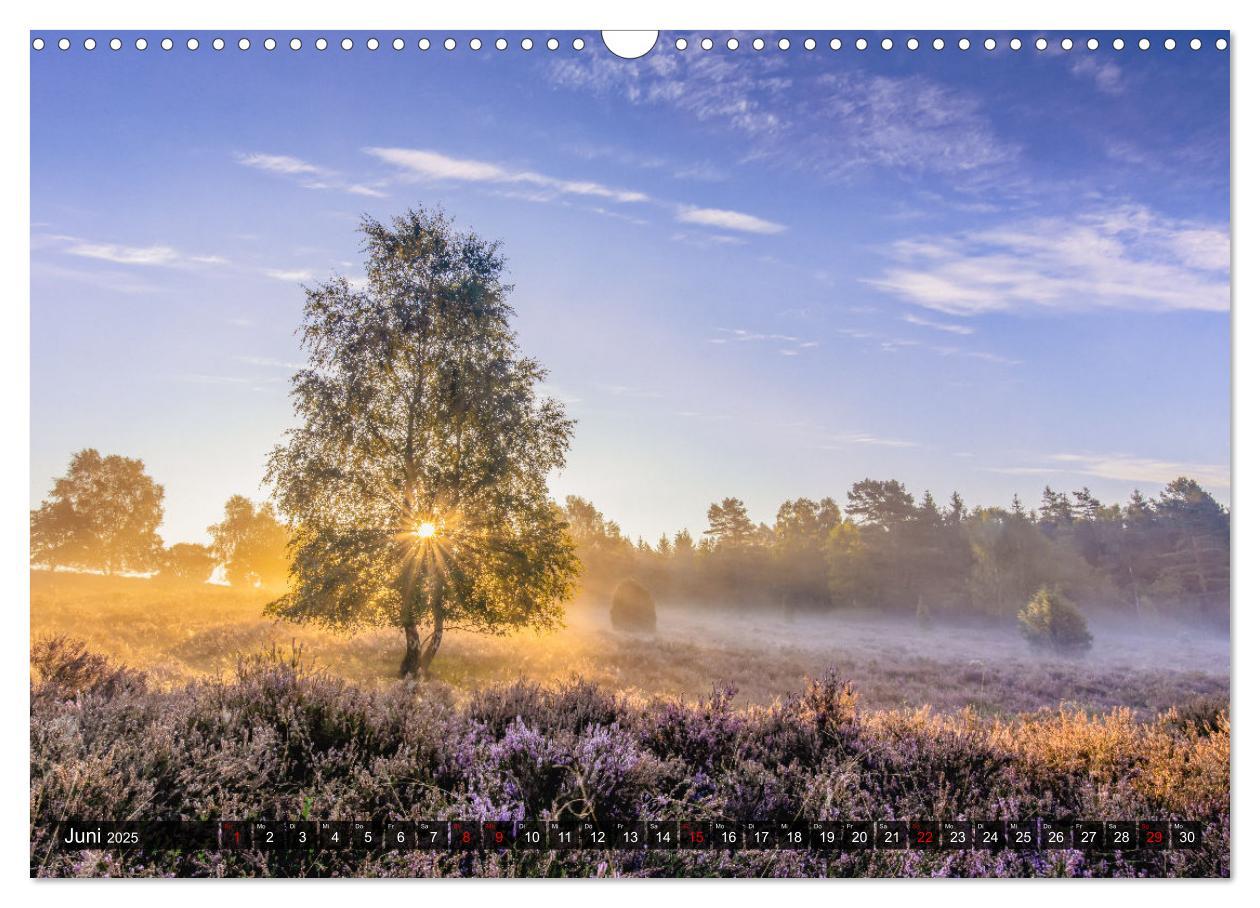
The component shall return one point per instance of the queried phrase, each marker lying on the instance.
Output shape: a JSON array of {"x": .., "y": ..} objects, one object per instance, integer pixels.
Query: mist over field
[{"x": 179, "y": 633}]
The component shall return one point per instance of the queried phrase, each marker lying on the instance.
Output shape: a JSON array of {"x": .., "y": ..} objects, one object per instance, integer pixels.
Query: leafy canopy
[
  {"x": 415, "y": 481},
  {"x": 251, "y": 542},
  {"x": 102, "y": 515}
]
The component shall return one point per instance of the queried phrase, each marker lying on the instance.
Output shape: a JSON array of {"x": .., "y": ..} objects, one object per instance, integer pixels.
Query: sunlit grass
[{"x": 178, "y": 633}]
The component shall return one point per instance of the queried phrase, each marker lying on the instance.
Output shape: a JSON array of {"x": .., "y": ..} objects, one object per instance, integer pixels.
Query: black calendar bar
[{"x": 1034, "y": 834}]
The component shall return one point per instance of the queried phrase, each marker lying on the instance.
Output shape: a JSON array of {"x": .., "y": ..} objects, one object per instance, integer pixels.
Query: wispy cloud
[
  {"x": 865, "y": 438},
  {"x": 1125, "y": 257},
  {"x": 528, "y": 185},
  {"x": 292, "y": 276},
  {"x": 893, "y": 344},
  {"x": 1124, "y": 468},
  {"x": 198, "y": 378},
  {"x": 1106, "y": 75},
  {"x": 161, "y": 256},
  {"x": 309, "y": 176},
  {"x": 702, "y": 171},
  {"x": 983, "y": 355},
  {"x": 938, "y": 326},
  {"x": 548, "y": 389},
  {"x": 838, "y": 442},
  {"x": 281, "y": 163},
  {"x": 785, "y": 344},
  {"x": 703, "y": 240},
  {"x": 728, "y": 220},
  {"x": 831, "y": 124},
  {"x": 98, "y": 278},
  {"x": 419, "y": 163},
  {"x": 1142, "y": 469}
]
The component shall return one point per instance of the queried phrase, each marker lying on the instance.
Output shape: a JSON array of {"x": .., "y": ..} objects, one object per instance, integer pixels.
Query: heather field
[
  {"x": 172, "y": 711},
  {"x": 177, "y": 633}
]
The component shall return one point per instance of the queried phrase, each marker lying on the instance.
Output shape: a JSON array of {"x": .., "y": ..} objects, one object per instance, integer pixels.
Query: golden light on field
[{"x": 426, "y": 530}]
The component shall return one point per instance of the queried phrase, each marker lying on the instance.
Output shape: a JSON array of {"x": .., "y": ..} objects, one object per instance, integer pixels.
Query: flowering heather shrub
[{"x": 276, "y": 741}]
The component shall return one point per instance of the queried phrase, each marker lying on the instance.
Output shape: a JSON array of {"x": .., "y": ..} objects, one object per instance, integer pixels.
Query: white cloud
[
  {"x": 99, "y": 279},
  {"x": 126, "y": 255},
  {"x": 728, "y": 220},
  {"x": 788, "y": 344},
  {"x": 830, "y": 123},
  {"x": 426, "y": 164},
  {"x": 1125, "y": 257},
  {"x": 878, "y": 441},
  {"x": 281, "y": 163},
  {"x": 890, "y": 344},
  {"x": 938, "y": 326},
  {"x": 295, "y": 275},
  {"x": 1143, "y": 469},
  {"x": 707, "y": 240},
  {"x": 1124, "y": 468},
  {"x": 418, "y": 163},
  {"x": 144, "y": 256},
  {"x": 310, "y": 176},
  {"x": 1106, "y": 76}
]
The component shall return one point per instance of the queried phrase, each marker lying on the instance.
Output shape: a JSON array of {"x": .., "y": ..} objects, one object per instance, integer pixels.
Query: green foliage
[
  {"x": 847, "y": 563},
  {"x": 416, "y": 478},
  {"x": 1052, "y": 622},
  {"x": 251, "y": 543},
  {"x": 729, "y": 525},
  {"x": 801, "y": 530},
  {"x": 885, "y": 552},
  {"x": 187, "y": 562},
  {"x": 102, "y": 515},
  {"x": 882, "y": 504},
  {"x": 633, "y": 607}
]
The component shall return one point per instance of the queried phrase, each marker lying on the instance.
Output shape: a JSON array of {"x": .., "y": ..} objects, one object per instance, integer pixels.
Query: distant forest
[
  {"x": 1164, "y": 557},
  {"x": 1148, "y": 558}
]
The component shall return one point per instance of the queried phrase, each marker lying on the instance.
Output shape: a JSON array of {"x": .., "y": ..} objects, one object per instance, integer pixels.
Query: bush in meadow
[
  {"x": 633, "y": 608},
  {"x": 1051, "y": 621}
]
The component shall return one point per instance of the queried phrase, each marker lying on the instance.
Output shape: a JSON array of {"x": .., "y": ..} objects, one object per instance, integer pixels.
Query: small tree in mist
[
  {"x": 251, "y": 543},
  {"x": 102, "y": 515},
  {"x": 633, "y": 607},
  {"x": 187, "y": 562},
  {"x": 416, "y": 478},
  {"x": 730, "y": 528},
  {"x": 1051, "y": 621}
]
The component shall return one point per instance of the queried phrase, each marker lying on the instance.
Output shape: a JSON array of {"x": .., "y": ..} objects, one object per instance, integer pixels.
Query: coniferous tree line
[{"x": 885, "y": 551}]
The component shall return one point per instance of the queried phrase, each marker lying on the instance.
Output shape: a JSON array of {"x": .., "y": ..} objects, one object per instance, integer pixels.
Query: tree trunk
[
  {"x": 419, "y": 655},
  {"x": 433, "y": 642},
  {"x": 411, "y": 661}
]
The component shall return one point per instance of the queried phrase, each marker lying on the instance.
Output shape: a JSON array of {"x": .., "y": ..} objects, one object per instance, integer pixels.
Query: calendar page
[{"x": 673, "y": 454}]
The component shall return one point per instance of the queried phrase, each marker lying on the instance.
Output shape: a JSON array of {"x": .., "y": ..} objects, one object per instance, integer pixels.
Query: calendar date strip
[{"x": 457, "y": 835}]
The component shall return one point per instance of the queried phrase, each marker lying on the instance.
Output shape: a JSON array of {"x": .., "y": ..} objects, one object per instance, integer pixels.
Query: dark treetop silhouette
[{"x": 415, "y": 483}]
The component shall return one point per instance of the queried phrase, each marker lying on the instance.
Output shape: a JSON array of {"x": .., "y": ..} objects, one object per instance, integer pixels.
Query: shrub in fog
[
  {"x": 633, "y": 608},
  {"x": 1050, "y": 621}
]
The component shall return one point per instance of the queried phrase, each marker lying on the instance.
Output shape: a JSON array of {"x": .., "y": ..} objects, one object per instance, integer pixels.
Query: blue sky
[{"x": 763, "y": 274}]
